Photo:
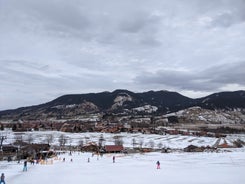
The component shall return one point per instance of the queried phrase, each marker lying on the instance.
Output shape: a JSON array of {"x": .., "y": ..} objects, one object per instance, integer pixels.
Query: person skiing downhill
[
  {"x": 113, "y": 158},
  {"x": 158, "y": 165},
  {"x": 25, "y": 166},
  {"x": 2, "y": 181}
]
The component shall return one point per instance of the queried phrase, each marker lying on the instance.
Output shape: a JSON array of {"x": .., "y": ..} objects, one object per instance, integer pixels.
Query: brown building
[{"x": 113, "y": 148}]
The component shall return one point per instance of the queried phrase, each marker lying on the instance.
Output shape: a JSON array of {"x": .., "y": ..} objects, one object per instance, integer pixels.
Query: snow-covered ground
[
  {"x": 74, "y": 139},
  {"x": 185, "y": 168},
  {"x": 176, "y": 168}
]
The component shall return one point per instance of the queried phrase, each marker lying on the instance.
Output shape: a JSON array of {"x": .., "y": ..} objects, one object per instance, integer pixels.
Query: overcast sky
[{"x": 53, "y": 47}]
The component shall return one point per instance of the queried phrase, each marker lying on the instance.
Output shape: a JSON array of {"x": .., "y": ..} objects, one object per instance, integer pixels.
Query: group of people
[
  {"x": 2, "y": 178},
  {"x": 114, "y": 159},
  {"x": 158, "y": 162}
]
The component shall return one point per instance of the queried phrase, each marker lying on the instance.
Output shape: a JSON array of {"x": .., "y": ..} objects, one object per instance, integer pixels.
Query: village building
[{"x": 113, "y": 148}]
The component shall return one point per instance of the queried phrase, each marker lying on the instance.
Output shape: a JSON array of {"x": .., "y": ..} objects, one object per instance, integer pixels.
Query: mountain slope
[
  {"x": 124, "y": 101},
  {"x": 223, "y": 100}
]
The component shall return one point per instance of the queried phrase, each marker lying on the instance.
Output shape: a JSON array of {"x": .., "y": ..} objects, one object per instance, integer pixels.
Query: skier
[
  {"x": 2, "y": 181},
  {"x": 32, "y": 161},
  {"x": 113, "y": 158},
  {"x": 158, "y": 165},
  {"x": 25, "y": 166}
]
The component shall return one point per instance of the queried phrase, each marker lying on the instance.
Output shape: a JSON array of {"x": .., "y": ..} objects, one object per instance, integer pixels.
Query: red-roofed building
[{"x": 113, "y": 148}]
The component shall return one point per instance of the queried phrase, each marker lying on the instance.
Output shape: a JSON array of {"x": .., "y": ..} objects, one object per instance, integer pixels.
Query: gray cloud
[
  {"x": 211, "y": 79},
  {"x": 230, "y": 73},
  {"x": 49, "y": 48}
]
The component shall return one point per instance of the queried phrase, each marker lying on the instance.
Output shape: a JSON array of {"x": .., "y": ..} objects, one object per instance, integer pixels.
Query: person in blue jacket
[
  {"x": 2, "y": 181},
  {"x": 25, "y": 166}
]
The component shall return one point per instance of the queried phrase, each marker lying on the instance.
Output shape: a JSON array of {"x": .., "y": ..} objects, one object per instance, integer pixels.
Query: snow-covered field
[
  {"x": 74, "y": 139},
  {"x": 176, "y": 168},
  {"x": 226, "y": 167}
]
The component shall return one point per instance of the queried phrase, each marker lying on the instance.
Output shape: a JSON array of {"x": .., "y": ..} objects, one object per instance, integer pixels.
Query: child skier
[{"x": 158, "y": 165}]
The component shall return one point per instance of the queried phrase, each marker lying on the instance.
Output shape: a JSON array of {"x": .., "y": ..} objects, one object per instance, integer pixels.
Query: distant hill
[
  {"x": 223, "y": 100},
  {"x": 124, "y": 101}
]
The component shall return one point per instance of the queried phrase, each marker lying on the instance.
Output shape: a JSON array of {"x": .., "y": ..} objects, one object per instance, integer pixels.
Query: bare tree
[
  {"x": 29, "y": 138},
  {"x": 134, "y": 142},
  {"x": 19, "y": 139},
  {"x": 2, "y": 138},
  {"x": 1, "y": 127},
  {"x": 69, "y": 140},
  {"x": 141, "y": 142},
  {"x": 62, "y": 140},
  {"x": 159, "y": 145},
  {"x": 118, "y": 140},
  {"x": 50, "y": 138},
  {"x": 81, "y": 143},
  {"x": 87, "y": 139},
  {"x": 101, "y": 140},
  {"x": 151, "y": 143}
]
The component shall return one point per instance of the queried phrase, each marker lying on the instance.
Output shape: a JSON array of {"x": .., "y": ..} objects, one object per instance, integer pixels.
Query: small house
[{"x": 113, "y": 148}]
